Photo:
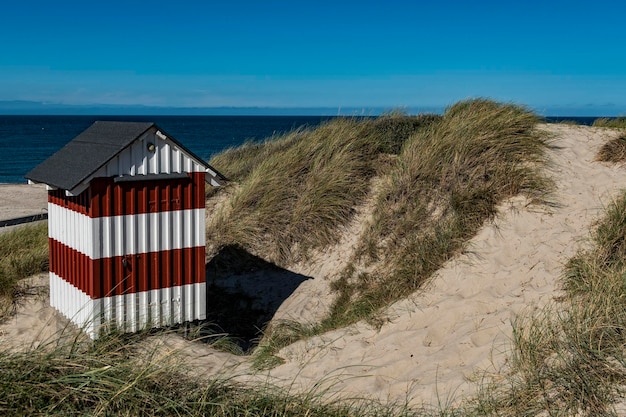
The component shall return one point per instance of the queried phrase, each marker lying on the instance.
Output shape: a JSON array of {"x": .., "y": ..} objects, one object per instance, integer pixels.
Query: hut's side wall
[
  {"x": 131, "y": 253},
  {"x": 70, "y": 270}
]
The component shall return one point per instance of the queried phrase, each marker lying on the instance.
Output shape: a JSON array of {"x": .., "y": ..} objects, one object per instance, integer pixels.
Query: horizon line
[{"x": 36, "y": 108}]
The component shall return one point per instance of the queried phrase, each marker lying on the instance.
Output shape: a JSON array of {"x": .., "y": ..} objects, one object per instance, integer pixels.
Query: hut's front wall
[{"x": 130, "y": 253}]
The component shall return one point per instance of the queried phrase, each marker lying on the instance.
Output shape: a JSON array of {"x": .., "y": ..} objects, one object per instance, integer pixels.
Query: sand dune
[
  {"x": 440, "y": 341},
  {"x": 436, "y": 344}
]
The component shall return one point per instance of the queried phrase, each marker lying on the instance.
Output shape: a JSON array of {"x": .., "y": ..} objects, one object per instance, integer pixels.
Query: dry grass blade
[{"x": 613, "y": 151}]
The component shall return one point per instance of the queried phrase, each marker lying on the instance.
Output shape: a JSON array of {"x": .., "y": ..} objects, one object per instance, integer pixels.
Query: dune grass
[
  {"x": 442, "y": 178},
  {"x": 297, "y": 195},
  {"x": 297, "y": 191},
  {"x": 238, "y": 162},
  {"x": 613, "y": 151},
  {"x": 122, "y": 375},
  {"x": 23, "y": 252},
  {"x": 448, "y": 180},
  {"x": 617, "y": 122}
]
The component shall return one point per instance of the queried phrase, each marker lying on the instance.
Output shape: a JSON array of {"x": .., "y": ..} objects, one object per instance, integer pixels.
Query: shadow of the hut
[{"x": 244, "y": 292}]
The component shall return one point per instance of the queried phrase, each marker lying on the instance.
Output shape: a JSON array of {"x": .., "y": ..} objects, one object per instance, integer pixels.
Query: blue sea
[{"x": 25, "y": 141}]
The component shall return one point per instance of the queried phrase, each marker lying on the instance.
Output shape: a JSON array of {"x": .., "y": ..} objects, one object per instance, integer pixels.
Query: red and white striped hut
[{"x": 126, "y": 227}]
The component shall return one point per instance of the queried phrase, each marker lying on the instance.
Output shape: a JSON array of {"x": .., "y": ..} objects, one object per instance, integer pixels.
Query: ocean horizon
[{"x": 27, "y": 140}]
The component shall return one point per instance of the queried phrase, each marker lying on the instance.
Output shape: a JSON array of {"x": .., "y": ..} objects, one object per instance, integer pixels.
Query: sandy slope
[
  {"x": 35, "y": 323},
  {"x": 437, "y": 343}
]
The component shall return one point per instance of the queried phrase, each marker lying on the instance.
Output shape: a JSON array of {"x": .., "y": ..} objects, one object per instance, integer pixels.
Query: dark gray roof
[{"x": 89, "y": 151}]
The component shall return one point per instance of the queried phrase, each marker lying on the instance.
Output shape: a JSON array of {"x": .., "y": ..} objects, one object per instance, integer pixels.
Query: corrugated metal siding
[
  {"x": 79, "y": 203},
  {"x": 130, "y": 312},
  {"x": 106, "y": 237},
  {"x": 154, "y": 308},
  {"x": 127, "y": 274},
  {"x": 131, "y": 253},
  {"x": 74, "y": 304},
  {"x": 135, "y": 197}
]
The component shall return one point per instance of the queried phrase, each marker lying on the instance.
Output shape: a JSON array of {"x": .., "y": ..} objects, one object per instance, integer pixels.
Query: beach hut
[{"x": 126, "y": 227}]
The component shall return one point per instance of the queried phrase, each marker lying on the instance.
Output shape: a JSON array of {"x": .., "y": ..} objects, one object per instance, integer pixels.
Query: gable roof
[{"x": 90, "y": 150}]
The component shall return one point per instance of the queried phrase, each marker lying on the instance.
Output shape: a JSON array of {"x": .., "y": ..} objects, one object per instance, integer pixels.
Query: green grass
[
  {"x": 23, "y": 252},
  {"x": 618, "y": 122}
]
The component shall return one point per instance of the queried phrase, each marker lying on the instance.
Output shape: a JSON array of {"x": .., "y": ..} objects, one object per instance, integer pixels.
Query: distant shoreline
[
  {"x": 584, "y": 120},
  {"x": 35, "y": 108}
]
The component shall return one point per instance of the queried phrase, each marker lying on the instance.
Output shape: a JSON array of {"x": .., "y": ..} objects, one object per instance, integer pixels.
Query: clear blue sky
[{"x": 558, "y": 57}]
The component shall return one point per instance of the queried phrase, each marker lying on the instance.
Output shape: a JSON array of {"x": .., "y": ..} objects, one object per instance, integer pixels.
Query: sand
[
  {"x": 439, "y": 342},
  {"x": 35, "y": 323},
  {"x": 18, "y": 200}
]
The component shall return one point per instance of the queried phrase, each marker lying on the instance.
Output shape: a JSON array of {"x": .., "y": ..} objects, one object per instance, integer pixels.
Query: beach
[
  {"x": 21, "y": 200},
  {"x": 436, "y": 345}
]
